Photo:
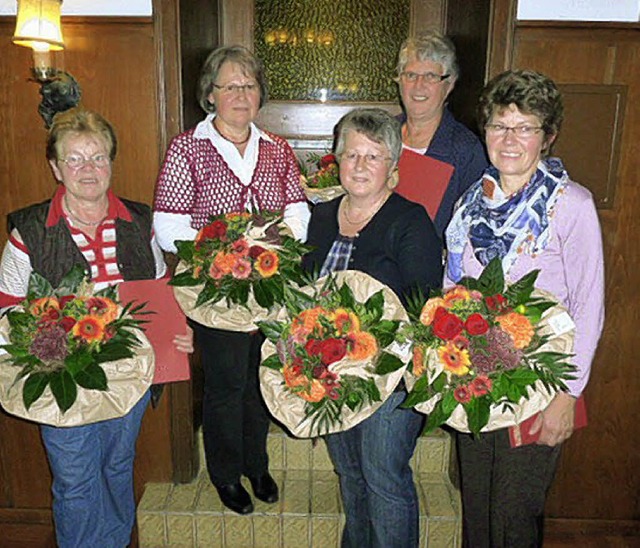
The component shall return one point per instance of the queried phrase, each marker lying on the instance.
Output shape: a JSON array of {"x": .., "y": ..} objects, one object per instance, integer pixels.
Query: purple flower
[
  {"x": 499, "y": 353},
  {"x": 50, "y": 345}
]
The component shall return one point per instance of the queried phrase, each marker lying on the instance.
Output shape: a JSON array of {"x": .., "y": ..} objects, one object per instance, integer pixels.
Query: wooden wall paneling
[
  {"x": 598, "y": 480},
  {"x": 501, "y": 34}
]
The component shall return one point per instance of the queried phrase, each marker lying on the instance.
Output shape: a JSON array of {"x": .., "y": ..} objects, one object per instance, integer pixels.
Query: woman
[
  {"x": 427, "y": 72},
  {"x": 529, "y": 213},
  {"x": 378, "y": 232},
  {"x": 86, "y": 224},
  {"x": 226, "y": 164}
]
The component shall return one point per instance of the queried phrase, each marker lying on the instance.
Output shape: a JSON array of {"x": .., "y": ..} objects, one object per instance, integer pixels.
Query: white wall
[
  {"x": 580, "y": 10},
  {"x": 129, "y": 8}
]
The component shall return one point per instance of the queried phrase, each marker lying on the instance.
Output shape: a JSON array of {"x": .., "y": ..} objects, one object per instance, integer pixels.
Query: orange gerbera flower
[
  {"x": 305, "y": 323},
  {"x": 314, "y": 392},
  {"x": 418, "y": 361},
  {"x": 518, "y": 327},
  {"x": 455, "y": 360},
  {"x": 362, "y": 345},
  {"x": 429, "y": 310},
  {"x": 40, "y": 306},
  {"x": 267, "y": 263},
  {"x": 346, "y": 321},
  {"x": 89, "y": 329},
  {"x": 460, "y": 293},
  {"x": 293, "y": 378},
  {"x": 102, "y": 307},
  {"x": 224, "y": 262}
]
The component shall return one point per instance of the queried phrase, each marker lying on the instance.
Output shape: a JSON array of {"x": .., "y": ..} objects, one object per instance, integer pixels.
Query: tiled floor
[{"x": 308, "y": 513}]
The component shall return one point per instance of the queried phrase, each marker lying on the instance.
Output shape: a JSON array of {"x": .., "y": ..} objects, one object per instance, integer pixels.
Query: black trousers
[
  {"x": 503, "y": 490},
  {"x": 235, "y": 420}
]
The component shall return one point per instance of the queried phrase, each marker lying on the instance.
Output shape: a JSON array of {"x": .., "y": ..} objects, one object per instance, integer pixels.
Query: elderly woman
[
  {"x": 427, "y": 72},
  {"x": 227, "y": 164},
  {"x": 376, "y": 231},
  {"x": 529, "y": 213},
  {"x": 86, "y": 224}
]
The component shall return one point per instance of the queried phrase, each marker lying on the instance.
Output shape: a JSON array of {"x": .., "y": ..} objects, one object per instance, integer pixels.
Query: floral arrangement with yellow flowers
[
  {"x": 60, "y": 337},
  {"x": 238, "y": 254},
  {"x": 487, "y": 355},
  {"x": 330, "y": 351}
]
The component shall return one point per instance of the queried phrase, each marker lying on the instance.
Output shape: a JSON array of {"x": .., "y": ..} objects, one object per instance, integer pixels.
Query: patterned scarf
[{"x": 504, "y": 226}]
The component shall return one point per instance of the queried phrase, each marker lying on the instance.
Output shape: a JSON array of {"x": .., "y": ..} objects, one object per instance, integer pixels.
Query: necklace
[
  {"x": 77, "y": 219},
  {"x": 376, "y": 208},
  {"x": 237, "y": 143}
]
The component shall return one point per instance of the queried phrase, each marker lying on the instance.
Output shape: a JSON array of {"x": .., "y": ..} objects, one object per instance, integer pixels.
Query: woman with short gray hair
[{"x": 427, "y": 73}]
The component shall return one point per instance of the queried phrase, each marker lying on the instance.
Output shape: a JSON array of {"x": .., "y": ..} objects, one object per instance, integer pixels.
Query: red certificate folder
[
  {"x": 423, "y": 180},
  {"x": 519, "y": 434},
  {"x": 166, "y": 322}
]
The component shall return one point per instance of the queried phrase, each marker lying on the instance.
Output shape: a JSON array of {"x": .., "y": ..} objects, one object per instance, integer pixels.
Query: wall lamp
[{"x": 38, "y": 27}]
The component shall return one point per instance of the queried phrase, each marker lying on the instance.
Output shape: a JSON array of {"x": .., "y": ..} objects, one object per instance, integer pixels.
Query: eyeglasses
[
  {"x": 429, "y": 77},
  {"x": 524, "y": 132},
  {"x": 75, "y": 161},
  {"x": 373, "y": 160},
  {"x": 233, "y": 89}
]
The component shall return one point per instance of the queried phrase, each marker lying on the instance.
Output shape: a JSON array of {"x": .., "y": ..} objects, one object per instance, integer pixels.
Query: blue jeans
[
  {"x": 92, "y": 468},
  {"x": 378, "y": 494}
]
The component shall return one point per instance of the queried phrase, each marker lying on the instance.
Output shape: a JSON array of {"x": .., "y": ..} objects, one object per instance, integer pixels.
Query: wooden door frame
[{"x": 166, "y": 32}]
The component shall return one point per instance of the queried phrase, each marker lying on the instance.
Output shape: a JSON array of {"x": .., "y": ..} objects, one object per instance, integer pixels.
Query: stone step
[
  {"x": 308, "y": 514},
  {"x": 433, "y": 452}
]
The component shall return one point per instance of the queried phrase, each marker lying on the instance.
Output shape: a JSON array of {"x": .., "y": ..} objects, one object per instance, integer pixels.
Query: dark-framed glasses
[
  {"x": 524, "y": 131},
  {"x": 429, "y": 77},
  {"x": 76, "y": 161},
  {"x": 233, "y": 89}
]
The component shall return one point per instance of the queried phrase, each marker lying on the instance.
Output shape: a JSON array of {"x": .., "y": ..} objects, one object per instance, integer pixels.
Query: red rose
[
  {"x": 332, "y": 350},
  {"x": 313, "y": 347},
  {"x": 481, "y": 385},
  {"x": 462, "y": 394},
  {"x": 497, "y": 303},
  {"x": 217, "y": 229},
  {"x": 446, "y": 325},
  {"x": 65, "y": 300},
  {"x": 255, "y": 251},
  {"x": 327, "y": 160},
  {"x": 67, "y": 323},
  {"x": 476, "y": 324}
]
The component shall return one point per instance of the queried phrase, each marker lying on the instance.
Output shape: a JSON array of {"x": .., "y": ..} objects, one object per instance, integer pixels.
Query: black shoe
[
  {"x": 265, "y": 488},
  {"x": 236, "y": 498}
]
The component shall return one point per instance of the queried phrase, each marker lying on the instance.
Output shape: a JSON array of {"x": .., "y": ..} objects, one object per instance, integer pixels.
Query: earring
[{"x": 394, "y": 179}]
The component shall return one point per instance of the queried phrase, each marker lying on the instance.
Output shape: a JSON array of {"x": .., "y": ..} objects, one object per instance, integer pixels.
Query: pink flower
[
  {"x": 240, "y": 247},
  {"x": 480, "y": 386},
  {"x": 215, "y": 271},
  {"x": 241, "y": 270},
  {"x": 462, "y": 394}
]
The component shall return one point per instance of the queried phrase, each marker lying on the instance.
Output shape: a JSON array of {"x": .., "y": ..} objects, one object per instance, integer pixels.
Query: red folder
[
  {"x": 423, "y": 180},
  {"x": 167, "y": 321},
  {"x": 519, "y": 434}
]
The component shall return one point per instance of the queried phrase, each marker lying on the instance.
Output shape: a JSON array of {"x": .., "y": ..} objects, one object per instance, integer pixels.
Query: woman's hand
[
  {"x": 184, "y": 343},
  {"x": 555, "y": 423}
]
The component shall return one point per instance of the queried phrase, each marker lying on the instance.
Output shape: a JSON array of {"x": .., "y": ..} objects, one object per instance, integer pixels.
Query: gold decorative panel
[{"x": 330, "y": 50}]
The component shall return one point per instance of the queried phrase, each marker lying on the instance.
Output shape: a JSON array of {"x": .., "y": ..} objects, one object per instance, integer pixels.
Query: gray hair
[
  {"x": 429, "y": 46},
  {"x": 375, "y": 124},
  {"x": 239, "y": 55}
]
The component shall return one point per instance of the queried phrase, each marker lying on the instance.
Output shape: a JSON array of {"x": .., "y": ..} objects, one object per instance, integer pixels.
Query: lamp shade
[{"x": 38, "y": 25}]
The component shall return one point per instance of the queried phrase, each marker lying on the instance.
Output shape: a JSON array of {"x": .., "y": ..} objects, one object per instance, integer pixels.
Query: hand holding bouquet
[
  {"x": 61, "y": 338},
  {"x": 486, "y": 356},
  {"x": 238, "y": 260},
  {"x": 330, "y": 359}
]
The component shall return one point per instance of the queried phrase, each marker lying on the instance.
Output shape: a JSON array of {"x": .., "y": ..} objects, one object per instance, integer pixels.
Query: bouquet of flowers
[
  {"x": 237, "y": 266},
  {"x": 324, "y": 184},
  {"x": 330, "y": 359},
  {"x": 62, "y": 339},
  {"x": 486, "y": 356}
]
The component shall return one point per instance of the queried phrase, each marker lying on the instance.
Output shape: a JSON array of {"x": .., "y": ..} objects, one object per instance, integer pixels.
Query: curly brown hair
[{"x": 530, "y": 91}]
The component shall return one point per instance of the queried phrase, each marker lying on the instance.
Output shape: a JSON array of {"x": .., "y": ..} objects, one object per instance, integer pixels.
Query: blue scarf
[{"x": 504, "y": 226}]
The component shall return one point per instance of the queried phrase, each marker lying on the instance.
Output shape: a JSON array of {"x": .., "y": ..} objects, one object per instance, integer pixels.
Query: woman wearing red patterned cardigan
[{"x": 227, "y": 164}]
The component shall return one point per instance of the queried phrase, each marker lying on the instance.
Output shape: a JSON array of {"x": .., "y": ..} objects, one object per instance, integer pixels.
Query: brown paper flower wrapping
[
  {"x": 219, "y": 315},
  {"x": 289, "y": 409},
  {"x": 319, "y": 195},
  {"x": 539, "y": 396},
  {"x": 127, "y": 380}
]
